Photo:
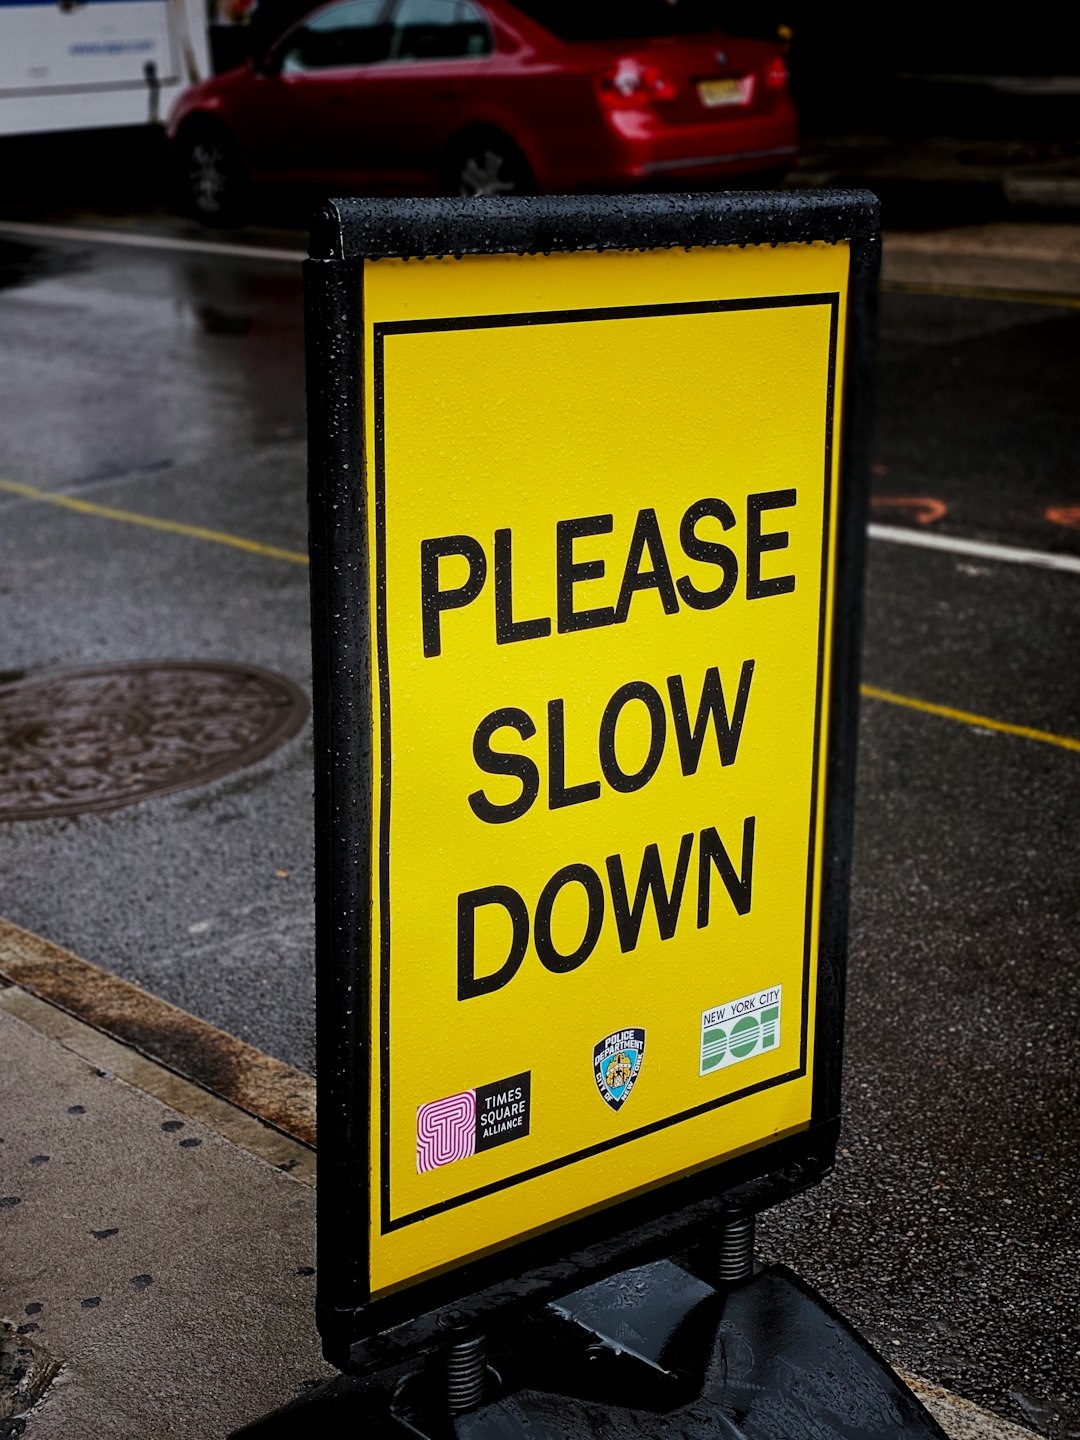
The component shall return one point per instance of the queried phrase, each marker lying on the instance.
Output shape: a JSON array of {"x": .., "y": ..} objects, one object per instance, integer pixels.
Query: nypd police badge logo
[{"x": 617, "y": 1064}]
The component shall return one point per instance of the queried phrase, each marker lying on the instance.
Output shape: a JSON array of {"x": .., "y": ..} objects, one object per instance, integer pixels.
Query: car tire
[
  {"x": 486, "y": 163},
  {"x": 210, "y": 175}
]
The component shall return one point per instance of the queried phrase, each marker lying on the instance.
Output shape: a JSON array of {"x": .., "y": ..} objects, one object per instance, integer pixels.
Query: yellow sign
[{"x": 602, "y": 522}]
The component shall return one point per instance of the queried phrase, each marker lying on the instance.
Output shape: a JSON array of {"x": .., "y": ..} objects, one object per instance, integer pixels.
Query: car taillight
[
  {"x": 630, "y": 82},
  {"x": 775, "y": 74}
]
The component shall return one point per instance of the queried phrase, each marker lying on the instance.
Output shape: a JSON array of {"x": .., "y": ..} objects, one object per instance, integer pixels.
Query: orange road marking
[
  {"x": 1064, "y": 515},
  {"x": 924, "y": 508}
]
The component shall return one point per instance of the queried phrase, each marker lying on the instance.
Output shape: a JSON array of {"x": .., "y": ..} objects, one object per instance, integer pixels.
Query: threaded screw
[
  {"x": 735, "y": 1250},
  {"x": 466, "y": 1373}
]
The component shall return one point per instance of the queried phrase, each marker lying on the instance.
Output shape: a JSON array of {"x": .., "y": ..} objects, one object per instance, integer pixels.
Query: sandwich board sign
[{"x": 587, "y": 506}]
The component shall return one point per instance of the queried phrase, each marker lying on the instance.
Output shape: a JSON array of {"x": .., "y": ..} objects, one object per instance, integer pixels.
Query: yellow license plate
[{"x": 720, "y": 92}]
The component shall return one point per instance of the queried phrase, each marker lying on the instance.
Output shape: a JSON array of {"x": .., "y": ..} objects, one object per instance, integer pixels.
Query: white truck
[{"x": 90, "y": 64}]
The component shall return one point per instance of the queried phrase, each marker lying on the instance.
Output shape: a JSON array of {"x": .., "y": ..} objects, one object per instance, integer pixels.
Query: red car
[{"x": 455, "y": 97}]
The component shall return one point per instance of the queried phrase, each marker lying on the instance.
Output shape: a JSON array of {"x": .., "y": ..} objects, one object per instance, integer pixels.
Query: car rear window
[{"x": 621, "y": 19}]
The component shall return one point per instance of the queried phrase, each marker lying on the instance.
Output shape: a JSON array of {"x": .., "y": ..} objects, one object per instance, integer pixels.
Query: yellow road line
[
  {"x": 296, "y": 557},
  {"x": 965, "y": 717},
  {"x": 984, "y": 292},
  {"x": 173, "y": 527}
]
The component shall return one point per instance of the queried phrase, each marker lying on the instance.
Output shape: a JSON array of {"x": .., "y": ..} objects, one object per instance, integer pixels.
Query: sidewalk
[
  {"x": 159, "y": 1272},
  {"x": 160, "y": 1265},
  {"x": 947, "y": 177},
  {"x": 1008, "y": 255}
]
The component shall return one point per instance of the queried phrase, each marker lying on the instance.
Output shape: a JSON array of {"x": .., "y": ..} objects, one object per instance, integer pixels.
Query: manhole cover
[{"x": 98, "y": 738}]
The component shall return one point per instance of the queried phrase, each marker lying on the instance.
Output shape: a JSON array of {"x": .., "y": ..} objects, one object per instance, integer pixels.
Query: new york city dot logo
[
  {"x": 464, "y": 1124},
  {"x": 617, "y": 1064},
  {"x": 740, "y": 1029}
]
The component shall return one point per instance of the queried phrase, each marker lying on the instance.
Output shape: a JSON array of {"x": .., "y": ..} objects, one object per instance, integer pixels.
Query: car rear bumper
[
  {"x": 776, "y": 155},
  {"x": 641, "y": 151}
]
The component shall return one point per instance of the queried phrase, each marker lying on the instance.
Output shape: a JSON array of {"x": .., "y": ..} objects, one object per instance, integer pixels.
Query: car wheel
[
  {"x": 487, "y": 164},
  {"x": 211, "y": 176}
]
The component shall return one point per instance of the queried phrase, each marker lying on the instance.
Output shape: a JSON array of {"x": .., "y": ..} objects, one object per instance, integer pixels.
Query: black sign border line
[
  {"x": 359, "y": 1332},
  {"x": 388, "y": 1223}
]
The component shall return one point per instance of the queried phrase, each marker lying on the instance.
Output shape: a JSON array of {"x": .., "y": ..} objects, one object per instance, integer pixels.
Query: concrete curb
[
  {"x": 1035, "y": 261},
  {"x": 946, "y": 172},
  {"x": 275, "y": 1093}
]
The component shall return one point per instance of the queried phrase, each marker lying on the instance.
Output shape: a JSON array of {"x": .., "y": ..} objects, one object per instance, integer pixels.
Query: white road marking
[
  {"x": 984, "y": 549},
  {"x": 141, "y": 241}
]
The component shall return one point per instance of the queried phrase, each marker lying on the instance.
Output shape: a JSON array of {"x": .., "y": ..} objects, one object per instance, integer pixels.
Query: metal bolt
[
  {"x": 735, "y": 1251},
  {"x": 466, "y": 1372}
]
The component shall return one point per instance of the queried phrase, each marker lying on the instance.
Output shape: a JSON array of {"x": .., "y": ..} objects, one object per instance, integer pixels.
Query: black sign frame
[{"x": 360, "y": 1333}]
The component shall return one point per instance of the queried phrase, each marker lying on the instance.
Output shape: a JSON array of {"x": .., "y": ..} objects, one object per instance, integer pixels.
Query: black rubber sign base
[{"x": 653, "y": 1351}]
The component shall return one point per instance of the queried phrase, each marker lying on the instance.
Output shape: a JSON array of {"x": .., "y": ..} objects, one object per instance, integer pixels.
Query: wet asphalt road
[{"x": 171, "y": 385}]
